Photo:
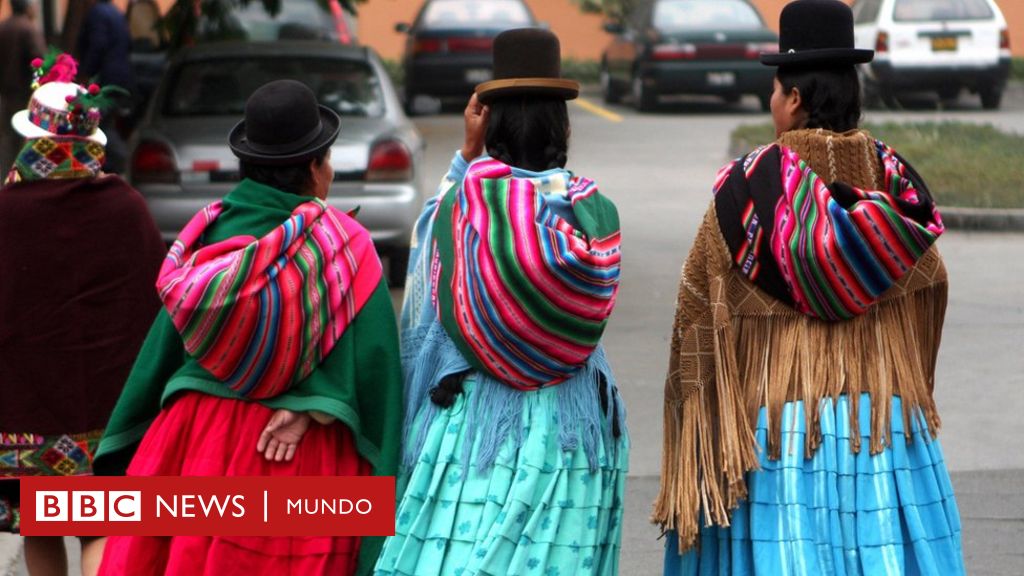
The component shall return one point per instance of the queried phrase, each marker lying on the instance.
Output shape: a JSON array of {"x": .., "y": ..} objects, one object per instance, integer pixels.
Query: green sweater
[{"x": 359, "y": 382}]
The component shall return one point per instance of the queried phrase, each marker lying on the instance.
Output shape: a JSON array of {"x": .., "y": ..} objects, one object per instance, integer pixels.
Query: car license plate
[
  {"x": 944, "y": 43},
  {"x": 478, "y": 75},
  {"x": 721, "y": 78}
]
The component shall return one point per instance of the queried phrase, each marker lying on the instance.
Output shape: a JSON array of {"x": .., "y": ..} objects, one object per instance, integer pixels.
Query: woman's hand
[
  {"x": 280, "y": 438},
  {"x": 476, "y": 116}
]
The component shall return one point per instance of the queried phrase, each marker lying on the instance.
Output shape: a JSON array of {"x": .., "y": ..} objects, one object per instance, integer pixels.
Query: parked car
[
  {"x": 709, "y": 47},
  {"x": 180, "y": 155},
  {"x": 941, "y": 46},
  {"x": 448, "y": 49},
  {"x": 226, "y": 20}
]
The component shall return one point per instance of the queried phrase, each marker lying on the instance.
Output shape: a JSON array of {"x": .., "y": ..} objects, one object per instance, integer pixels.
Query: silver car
[{"x": 181, "y": 160}]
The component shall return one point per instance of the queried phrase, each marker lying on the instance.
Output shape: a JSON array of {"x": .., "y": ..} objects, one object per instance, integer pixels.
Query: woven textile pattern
[
  {"x": 524, "y": 295},
  {"x": 57, "y": 159},
  {"x": 24, "y": 454},
  {"x": 830, "y": 250},
  {"x": 261, "y": 314}
]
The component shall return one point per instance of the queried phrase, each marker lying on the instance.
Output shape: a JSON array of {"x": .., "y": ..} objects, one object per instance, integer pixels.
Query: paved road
[{"x": 658, "y": 169}]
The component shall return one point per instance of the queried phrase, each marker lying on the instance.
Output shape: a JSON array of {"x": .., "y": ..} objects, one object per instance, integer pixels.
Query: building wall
[{"x": 581, "y": 34}]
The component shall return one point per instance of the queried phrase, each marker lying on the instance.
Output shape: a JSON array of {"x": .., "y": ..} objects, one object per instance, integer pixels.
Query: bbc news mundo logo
[
  {"x": 208, "y": 506},
  {"x": 88, "y": 506}
]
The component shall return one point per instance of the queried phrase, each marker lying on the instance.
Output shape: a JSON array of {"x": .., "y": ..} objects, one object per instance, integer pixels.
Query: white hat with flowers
[{"x": 60, "y": 108}]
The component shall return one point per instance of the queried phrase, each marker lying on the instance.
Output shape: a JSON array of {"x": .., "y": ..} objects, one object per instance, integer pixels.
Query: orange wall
[{"x": 581, "y": 34}]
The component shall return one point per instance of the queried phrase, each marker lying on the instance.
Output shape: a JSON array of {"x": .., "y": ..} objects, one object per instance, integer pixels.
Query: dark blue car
[
  {"x": 448, "y": 50},
  {"x": 667, "y": 47}
]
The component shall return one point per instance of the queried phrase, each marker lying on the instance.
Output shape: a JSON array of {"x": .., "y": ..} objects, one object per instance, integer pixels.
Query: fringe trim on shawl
[
  {"x": 768, "y": 360},
  {"x": 428, "y": 355},
  {"x": 495, "y": 410}
]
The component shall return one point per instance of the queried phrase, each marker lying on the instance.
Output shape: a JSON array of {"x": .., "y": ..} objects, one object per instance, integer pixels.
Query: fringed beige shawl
[{"x": 736, "y": 349}]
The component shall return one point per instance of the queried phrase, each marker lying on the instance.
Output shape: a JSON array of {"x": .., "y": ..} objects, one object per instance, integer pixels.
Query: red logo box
[{"x": 208, "y": 506}]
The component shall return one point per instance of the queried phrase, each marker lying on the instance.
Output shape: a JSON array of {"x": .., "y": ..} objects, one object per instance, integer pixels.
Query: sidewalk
[{"x": 991, "y": 509}]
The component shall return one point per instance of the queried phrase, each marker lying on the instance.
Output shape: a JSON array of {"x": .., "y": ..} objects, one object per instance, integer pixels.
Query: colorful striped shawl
[
  {"x": 524, "y": 295},
  {"x": 828, "y": 251},
  {"x": 261, "y": 314}
]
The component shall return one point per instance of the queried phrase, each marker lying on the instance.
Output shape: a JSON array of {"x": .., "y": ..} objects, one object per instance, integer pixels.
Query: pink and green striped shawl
[
  {"x": 261, "y": 314},
  {"x": 524, "y": 295},
  {"x": 827, "y": 250}
]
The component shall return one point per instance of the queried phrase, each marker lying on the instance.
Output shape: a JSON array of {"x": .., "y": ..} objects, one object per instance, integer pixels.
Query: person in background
[
  {"x": 104, "y": 50},
  {"x": 516, "y": 447},
  {"x": 800, "y": 425},
  {"x": 79, "y": 254},
  {"x": 312, "y": 389},
  {"x": 21, "y": 41}
]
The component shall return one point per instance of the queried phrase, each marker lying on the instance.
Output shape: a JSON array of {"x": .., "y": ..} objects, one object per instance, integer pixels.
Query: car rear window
[
  {"x": 292, "y": 20},
  {"x": 945, "y": 10},
  {"x": 705, "y": 15},
  {"x": 500, "y": 14},
  {"x": 220, "y": 87}
]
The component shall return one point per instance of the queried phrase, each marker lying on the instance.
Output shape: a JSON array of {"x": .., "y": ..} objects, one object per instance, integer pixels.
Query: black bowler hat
[
  {"x": 527, "y": 61},
  {"x": 283, "y": 125},
  {"x": 816, "y": 33}
]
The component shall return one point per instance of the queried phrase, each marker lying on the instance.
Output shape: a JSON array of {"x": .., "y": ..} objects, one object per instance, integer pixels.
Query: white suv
[{"x": 940, "y": 46}]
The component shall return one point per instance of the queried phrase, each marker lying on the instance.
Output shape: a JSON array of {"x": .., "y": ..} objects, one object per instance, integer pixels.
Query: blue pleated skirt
[
  {"x": 539, "y": 510},
  {"x": 838, "y": 513}
]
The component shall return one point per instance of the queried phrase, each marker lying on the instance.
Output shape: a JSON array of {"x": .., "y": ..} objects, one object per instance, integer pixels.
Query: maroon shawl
[{"x": 78, "y": 262}]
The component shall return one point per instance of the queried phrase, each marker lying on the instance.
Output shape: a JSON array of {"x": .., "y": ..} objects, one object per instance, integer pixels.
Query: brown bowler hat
[{"x": 527, "y": 61}]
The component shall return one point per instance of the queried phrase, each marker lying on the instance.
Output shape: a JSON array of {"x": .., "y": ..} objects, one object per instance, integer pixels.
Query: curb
[{"x": 986, "y": 219}]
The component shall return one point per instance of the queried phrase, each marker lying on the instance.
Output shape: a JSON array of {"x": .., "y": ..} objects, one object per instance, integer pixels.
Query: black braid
[
  {"x": 448, "y": 389},
  {"x": 529, "y": 132},
  {"x": 830, "y": 96}
]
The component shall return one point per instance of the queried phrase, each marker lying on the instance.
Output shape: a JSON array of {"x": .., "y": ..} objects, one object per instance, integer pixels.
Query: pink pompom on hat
[{"x": 60, "y": 108}]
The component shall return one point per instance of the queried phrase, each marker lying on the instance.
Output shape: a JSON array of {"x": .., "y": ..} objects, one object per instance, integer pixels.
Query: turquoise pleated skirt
[
  {"x": 538, "y": 510},
  {"x": 838, "y": 513}
]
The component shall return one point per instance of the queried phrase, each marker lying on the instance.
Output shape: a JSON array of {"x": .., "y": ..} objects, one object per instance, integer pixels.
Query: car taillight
[
  {"x": 754, "y": 50},
  {"x": 674, "y": 52},
  {"x": 390, "y": 161},
  {"x": 882, "y": 42},
  {"x": 426, "y": 46},
  {"x": 1004, "y": 39},
  {"x": 470, "y": 44},
  {"x": 153, "y": 162}
]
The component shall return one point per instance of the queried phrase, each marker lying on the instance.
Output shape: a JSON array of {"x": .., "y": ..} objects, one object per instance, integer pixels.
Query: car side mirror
[
  {"x": 614, "y": 27},
  {"x": 402, "y": 28}
]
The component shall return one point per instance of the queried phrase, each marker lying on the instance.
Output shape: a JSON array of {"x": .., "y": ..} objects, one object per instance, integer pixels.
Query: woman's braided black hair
[
  {"x": 529, "y": 132},
  {"x": 831, "y": 96}
]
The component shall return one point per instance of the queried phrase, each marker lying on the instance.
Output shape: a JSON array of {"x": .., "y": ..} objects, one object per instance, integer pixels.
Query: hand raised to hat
[
  {"x": 280, "y": 437},
  {"x": 476, "y": 116}
]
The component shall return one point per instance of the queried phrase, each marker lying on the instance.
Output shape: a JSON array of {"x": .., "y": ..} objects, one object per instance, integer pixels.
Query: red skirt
[{"x": 202, "y": 435}]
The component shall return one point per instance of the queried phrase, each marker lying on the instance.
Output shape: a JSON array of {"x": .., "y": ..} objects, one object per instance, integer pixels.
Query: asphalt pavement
[{"x": 658, "y": 169}]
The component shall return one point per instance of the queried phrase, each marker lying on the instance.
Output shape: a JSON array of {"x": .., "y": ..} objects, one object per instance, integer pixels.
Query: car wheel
[
  {"x": 410, "y": 103},
  {"x": 949, "y": 94},
  {"x": 609, "y": 91},
  {"x": 398, "y": 265},
  {"x": 991, "y": 97},
  {"x": 644, "y": 98},
  {"x": 875, "y": 96},
  {"x": 766, "y": 102}
]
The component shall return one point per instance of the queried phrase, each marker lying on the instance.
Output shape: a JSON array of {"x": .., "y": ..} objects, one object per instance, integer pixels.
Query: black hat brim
[
  {"x": 822, "y": 57},
  {"x": 330, "y": 128},
  {"x": 551, "y": 87}
]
